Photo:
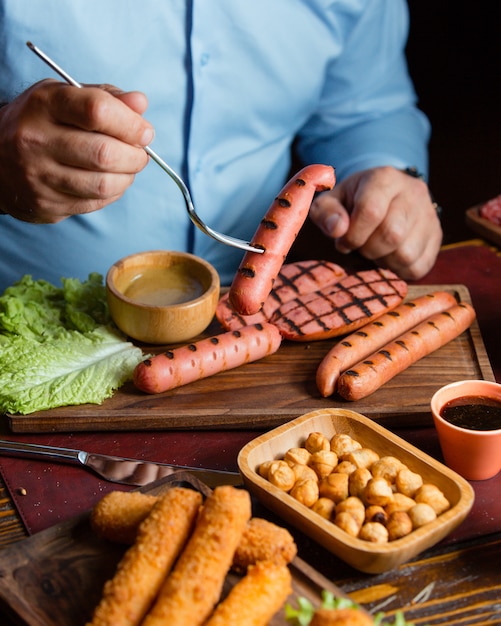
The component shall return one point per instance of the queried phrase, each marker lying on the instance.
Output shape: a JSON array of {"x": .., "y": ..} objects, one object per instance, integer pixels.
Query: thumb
[{"x": 330, "y": 216}]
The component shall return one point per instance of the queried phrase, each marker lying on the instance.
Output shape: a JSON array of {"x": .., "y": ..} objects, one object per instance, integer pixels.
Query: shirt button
[{"x": 204, "y": 59}]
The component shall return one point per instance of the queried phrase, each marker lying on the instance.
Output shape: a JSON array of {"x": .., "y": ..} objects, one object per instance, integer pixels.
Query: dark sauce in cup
[{"x": 473, "y": 413}]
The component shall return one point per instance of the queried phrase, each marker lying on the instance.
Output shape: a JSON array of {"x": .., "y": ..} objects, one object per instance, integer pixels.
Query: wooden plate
[
  {"x": 56, "y": 577},
  {"x": 274, "y": 390},
  {"x": 362, "y": 555},
  {"x": 483, "y": 227}
]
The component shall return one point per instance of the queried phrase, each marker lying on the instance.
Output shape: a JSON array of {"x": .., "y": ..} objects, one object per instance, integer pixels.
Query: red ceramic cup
[{"x": 474, "y": 454}]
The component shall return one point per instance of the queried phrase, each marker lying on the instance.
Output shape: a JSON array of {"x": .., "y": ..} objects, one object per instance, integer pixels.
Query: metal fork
[{"x": 226, "y": 239}]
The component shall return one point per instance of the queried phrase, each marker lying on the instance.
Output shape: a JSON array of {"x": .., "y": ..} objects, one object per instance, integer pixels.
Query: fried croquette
[
  {"x": 194, "y": 586},
  {"x": 118, "y": 514},
  {"x": 161, "y": 537},
  {"x": 255, "y": 599},
  {"x": 263, "y": 541},
  {"x": 116, "y": 517}
]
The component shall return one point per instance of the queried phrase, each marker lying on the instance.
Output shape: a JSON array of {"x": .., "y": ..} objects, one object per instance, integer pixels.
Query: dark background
[{"x": 454, "y": 56}]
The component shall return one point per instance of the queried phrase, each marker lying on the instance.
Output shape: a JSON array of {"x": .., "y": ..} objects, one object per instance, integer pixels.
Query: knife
[{"x": 117, "y": 469}]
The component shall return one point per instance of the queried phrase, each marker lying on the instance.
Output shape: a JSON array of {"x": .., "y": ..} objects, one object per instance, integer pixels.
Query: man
[{"x": 235, "y": 88}]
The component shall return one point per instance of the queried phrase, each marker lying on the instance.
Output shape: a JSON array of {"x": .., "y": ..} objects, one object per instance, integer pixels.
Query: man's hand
[
  {"x": 66, "y": 151},
  {"x": 387, "y": 216}
]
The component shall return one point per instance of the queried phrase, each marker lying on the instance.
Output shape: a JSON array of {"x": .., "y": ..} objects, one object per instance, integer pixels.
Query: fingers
[
  {"x": 67, "y": 150},
  {"x": 97, "y": 110},
  {"x": 329, "y": 214},
  {"x": 416, "y": 256},
  {"x": 386, "y": 216}
]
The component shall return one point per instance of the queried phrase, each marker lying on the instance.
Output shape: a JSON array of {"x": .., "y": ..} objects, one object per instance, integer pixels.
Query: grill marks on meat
[
  {"x": 339, "y": 308},
  {"x": 294, "y": 279}
]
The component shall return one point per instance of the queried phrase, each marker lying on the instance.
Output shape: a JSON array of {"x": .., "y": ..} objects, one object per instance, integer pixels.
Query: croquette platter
[
  {"x": 274, "y": 390},
  {"x": 56, "y": 576}
]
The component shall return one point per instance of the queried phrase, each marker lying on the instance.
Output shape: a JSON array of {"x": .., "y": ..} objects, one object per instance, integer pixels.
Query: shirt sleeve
[{"x": 367, "y": 114}]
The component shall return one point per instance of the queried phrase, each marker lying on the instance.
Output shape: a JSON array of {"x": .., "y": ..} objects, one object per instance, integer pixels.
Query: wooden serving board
[
  {"x": 56, "y": 576},
  {"x": 483, "y": 227},
  {"x": 274, "y": 390}
]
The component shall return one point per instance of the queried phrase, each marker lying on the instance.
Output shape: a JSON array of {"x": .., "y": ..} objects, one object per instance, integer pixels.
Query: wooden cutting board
[
  {"x": 56, "y": 576},
  {"x": 272, "y": 391}
]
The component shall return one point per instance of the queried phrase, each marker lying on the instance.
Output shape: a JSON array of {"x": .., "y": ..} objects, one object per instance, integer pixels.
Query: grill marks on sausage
[
  {"x": 206, "y": 357},
  {"x": 349, "y": 303},
  {"x": 364, "y": 378},
  {"x": 293, "y": 280},
  {"x": 269, "y": 224}
]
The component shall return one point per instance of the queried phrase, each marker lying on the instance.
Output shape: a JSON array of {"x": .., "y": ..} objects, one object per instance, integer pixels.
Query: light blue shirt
[{"x": 231, "y": 84}]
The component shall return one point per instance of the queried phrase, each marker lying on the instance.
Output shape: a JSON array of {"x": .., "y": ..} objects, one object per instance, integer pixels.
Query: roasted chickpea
[
  {"x": 374, "y": 532},
  {"x": 344, "y": 467},
  {"x": 399, "y": 525},
  {"x": 378, "y": 491},
  {"x": 335, "y": 487},
  {"x": 387, "y": 467},
  {"x": 281, "y": 475},
  {"x": 306, "y": 492},
  {"x": 297, "y": 455},
  {"x": 354, "y": 506},
  {"x": 303, "y": 472},
  {"x": 399, "y": 503},
  {"x": 358, "y": 481},
  {"x": 363, "y": 457},
  {"x": 323, "y": 462},
  {"x": 431, "y": 494},
  {"x": 376, "y": 513},
  {"x": 421, "y": 514},
  {"x": 347, "y": 522},
  {"x": 316, "y": 441},
  {"x": 408, "y": 482},
  {"x": 324, "y": 507},
  {"x": 264, "y": 468},
  {"x": 343, "y": 444}
]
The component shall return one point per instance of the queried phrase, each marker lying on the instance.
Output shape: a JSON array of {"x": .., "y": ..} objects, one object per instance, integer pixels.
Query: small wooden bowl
[
  {"x": 362, "y": 555},
  {"x": 162, "y": 297}
]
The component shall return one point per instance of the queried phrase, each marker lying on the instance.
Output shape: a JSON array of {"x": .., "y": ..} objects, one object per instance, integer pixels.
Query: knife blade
[{"x": 114, "y": 468}]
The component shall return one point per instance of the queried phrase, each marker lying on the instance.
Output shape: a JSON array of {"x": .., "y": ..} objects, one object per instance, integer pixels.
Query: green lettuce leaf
[
  {"x": 59, "y": 347},
  {"x": 75, "y": 369}
]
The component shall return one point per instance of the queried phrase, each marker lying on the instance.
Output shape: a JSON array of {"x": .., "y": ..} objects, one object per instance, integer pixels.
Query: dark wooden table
[{"x": 447, "y": 584}]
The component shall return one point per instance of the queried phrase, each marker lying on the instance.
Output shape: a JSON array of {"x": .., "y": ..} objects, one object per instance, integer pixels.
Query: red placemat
[
  {"x": 57, "y": 492},
  {"x": 49, "y": 493}
]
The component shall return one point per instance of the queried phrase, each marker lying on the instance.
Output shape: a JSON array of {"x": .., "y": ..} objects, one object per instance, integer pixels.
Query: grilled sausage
[
  {"x": 382, "y": 366},
  {"x": 206, "y": 357},
  {"x": 341, "y": 307},
  {"x": 275, "y": 235},
  {"x": 294, "y": 279},
  {"x": 376, "y": 334}
]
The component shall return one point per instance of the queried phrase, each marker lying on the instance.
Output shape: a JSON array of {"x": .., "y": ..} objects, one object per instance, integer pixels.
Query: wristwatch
[{"x": 415, "y": 173}]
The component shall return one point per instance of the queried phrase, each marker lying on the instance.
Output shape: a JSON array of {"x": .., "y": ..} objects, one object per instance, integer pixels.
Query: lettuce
[{"x": 58, "y": 346}]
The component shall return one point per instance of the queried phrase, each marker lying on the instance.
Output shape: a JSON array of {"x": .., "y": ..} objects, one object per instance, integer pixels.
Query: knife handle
[{"x": 37, "y": 451}]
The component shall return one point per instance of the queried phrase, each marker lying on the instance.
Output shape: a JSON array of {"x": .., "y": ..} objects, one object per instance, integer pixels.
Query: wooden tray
[
  {"x": 56, "y": 577},
  {"x": 483, "y": 227},
  {"x": 273, "y": 391},
  {"x": 372, "y": 558}
]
